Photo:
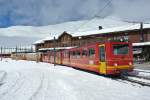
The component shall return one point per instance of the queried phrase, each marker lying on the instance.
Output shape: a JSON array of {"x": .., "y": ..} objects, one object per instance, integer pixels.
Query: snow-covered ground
[{"x": 27, "y": 80}]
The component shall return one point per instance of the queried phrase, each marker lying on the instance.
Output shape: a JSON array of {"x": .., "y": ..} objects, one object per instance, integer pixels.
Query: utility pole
[
  {"x": 1, "y": 53},
  {"x": 16, "y": 52},
  {"x": 141, "y": 32},
  {"x": 54, "y": 51},
  {"x": 31, "y": 49}
]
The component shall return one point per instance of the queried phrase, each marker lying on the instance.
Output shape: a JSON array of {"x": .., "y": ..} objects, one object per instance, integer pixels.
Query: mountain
[{"x": 74, "y": 26}]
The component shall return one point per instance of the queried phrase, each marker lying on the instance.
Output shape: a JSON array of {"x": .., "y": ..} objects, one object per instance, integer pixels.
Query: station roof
[
  {"x": 112, "y": 30},
  {"x": 102, "y": 31}
]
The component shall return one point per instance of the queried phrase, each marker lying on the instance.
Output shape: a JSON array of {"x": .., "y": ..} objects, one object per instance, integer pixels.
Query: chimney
[
  {"x": 141, "y": 32},
  {"x": 100, "y": 27}
]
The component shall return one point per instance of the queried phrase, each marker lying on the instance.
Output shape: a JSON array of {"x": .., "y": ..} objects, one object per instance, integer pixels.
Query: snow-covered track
[
  {"x": 141, "y": 77},
  {"x": 2, "y": 76},
  {"x": 139, "y": 70},
  {"x": 10, "y": 85},
  {"x": 38, "y": 90},
  {"x": 143, "y": 74},
  {"x": 137, "y": 80}
]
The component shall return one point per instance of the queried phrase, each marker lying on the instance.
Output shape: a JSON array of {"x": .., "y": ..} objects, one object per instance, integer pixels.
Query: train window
[
  {"x": 78, "y": 54},
  {"x": 72, "y": 54},
  {"x": 91, "y": 52},
  {"x": 84, "y": 52},
  {"x": 69, "y": 54},
  {"x": 102, "y": 53},
  {"x": 121, "y": 49},
  {"x": 66, "y": 54}
]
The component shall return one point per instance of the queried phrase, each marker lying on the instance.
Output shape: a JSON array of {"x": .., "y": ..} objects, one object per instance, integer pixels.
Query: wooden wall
[{"x": 66, "y": 40}]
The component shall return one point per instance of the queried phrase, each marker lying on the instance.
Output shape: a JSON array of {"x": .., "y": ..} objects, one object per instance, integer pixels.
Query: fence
[{"x": 7, "y": 51}]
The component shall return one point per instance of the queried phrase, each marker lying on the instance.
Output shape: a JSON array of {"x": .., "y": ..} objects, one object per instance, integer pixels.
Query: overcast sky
[{"x": 46, "y": 12}]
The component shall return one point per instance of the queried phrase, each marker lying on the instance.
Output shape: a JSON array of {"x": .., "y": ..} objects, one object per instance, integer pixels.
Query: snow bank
[{"x": 28, "y": 80}]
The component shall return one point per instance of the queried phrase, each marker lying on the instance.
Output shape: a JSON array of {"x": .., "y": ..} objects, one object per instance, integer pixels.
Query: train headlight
[
  {"x": 130, "y": 63},
  {"x": 115, "y": 64}
]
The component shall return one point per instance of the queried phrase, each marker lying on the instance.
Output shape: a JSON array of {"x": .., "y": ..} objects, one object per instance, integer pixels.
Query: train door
[{"x": 102, "y": 59}]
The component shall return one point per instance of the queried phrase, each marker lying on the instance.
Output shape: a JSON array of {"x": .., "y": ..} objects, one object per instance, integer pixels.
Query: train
[{"x": 107, "y": 58}]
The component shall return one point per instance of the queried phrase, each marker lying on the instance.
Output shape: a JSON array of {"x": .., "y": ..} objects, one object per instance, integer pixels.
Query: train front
[{"x": 119, "y": 57}]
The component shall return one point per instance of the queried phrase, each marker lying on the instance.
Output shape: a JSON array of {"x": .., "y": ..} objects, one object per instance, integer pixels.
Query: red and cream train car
[{"x": 105, "y": 58}]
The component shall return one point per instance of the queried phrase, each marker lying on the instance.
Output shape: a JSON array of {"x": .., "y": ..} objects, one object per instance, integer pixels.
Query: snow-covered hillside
[
  {"x": 74, "y": 26},
  {"x": 26, "y": 80}
]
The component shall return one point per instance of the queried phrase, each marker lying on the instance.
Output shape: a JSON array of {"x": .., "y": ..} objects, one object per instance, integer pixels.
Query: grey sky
[{"x": 46, "y": 12}]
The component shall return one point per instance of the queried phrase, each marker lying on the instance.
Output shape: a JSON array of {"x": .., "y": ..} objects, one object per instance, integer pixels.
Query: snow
[
  {"x": 140, "y": 70},
  {"x": 106, "y": 30},
  {"x": 72, "y": 26},
  {"x": 140, "y": 79},
  {"x": 112, "y": 29},
  {"x": 141, "y": 44},
  {"x": 39, "y": 41},
  {"x": 57, "y": 48},
  {"x": 77, "y": 26},
  {"x": 142, "y": 73},
  {"x": 28, "y": 80}
]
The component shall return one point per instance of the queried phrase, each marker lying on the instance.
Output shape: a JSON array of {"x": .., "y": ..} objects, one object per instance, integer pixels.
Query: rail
[
  {"x": 143, "y": 82},
  {"x": 136, "y": 77}
]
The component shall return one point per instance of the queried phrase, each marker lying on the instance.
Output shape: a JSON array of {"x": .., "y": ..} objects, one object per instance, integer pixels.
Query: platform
[{"x": 143, "y": 66}]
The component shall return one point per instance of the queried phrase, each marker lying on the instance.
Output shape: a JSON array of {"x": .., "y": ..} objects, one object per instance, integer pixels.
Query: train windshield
[{"x": 121, "y": 49}]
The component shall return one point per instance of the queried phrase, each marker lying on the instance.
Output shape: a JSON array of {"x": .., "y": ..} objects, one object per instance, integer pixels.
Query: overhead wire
[{"x": 95, "y": 15}]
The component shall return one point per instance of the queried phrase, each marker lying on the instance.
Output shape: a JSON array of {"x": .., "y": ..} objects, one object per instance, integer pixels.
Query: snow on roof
[
  {"x": 58, "y": 48},
  {"x": 51, "y": 37},
  {"x": 109, "y": 30},
  {"x": 141, "y": 44},
  {"x": 74, "y": 26},
  {"x": 102, "y": 31},
  {"x": 39, "y": 41},
  {"x": 87, "y": 27}
]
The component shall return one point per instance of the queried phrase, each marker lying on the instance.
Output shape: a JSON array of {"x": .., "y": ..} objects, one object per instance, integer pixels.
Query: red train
[{"x": 109, "y": 58}]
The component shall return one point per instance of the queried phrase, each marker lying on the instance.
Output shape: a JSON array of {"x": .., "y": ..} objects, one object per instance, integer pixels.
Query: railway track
[
  {"x": 2, "y": 76},
  {"x": 136, "y": 80},
  {"x": 135, "y": 77}
]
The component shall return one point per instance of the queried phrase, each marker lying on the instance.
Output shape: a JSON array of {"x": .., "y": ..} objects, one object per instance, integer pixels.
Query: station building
[{"x": 138, "y": 34}]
